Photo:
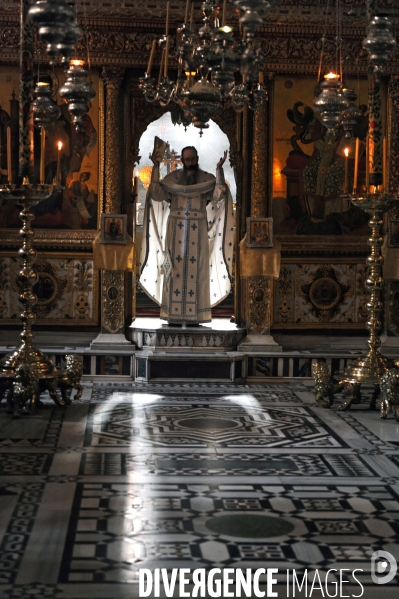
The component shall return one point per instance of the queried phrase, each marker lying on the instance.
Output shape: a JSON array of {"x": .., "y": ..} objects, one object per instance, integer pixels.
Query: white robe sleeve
[
  {"x": 152, "y": 255},
  {"x": 221, "y": 234}
]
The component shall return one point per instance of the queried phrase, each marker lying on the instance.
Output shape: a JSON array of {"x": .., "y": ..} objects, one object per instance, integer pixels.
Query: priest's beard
[{"x": 189, "y": 175}]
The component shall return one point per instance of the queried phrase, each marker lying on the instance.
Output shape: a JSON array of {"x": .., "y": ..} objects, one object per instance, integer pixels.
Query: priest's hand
[{"x": 222, "y": 160}]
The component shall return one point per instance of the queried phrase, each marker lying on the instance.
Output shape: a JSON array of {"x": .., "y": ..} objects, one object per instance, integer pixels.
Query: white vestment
[{"x": 187, "y": 248}]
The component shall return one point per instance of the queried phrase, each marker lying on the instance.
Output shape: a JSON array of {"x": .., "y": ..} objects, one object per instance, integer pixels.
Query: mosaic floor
[{"x": 195, "y": 476}]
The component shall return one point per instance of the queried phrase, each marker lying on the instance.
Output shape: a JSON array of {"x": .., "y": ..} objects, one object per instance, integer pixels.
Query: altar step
[
  {"x": 231, "y": 367},
  {"x": 220, "y": 364}
]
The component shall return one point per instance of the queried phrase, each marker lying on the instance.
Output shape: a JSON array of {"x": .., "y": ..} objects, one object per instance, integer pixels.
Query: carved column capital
[{"x": 113, "y": 77}]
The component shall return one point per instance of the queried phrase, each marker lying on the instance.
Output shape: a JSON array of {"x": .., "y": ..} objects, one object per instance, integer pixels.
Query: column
[
  {"x": 26, "y": 87},
  {"x": 256, "y": 290},
  {"x": 391, "y": 258},
  {"x": 112, "y": 291},
  {"x": 112, "y": 78}
]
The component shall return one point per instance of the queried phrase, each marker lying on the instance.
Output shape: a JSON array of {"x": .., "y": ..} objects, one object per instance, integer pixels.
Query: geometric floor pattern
[{"x": 136, "y": 475}]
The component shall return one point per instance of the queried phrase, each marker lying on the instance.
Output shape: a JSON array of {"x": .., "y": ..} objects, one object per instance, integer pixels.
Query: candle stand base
[
  {"x": 27, "y": 372},
  {"x": 369, "y": 369}
]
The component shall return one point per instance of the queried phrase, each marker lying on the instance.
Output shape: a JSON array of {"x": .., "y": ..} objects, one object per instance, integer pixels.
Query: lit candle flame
[
  {"x": 42, "y": 84},
  {"x": 331, "y": 76},
  {"x": 346, "y": 152},
  {"x": 59, "y": 145},
  {"x": 77, "y": 63}
]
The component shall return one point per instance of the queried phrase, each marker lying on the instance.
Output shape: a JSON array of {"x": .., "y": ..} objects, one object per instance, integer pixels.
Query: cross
[
  {"x": 177, "y": 293},
  {"x": 194, "y": 226},
  {"x": 179, "y": 258},
  {"x": 191, "y": 293},
  {"x": 180, "y": 225},
  {"x": 192, "y": 260}
]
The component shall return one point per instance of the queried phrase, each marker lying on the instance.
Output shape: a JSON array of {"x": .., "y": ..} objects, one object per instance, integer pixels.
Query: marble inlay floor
[{"x": 196, "y": 476}]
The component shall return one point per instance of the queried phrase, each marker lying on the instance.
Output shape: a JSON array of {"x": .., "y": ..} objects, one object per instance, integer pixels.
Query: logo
[{"x": 383, "y": 563}]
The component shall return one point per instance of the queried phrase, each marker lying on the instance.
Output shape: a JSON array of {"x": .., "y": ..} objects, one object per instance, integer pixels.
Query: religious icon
[
  {"x": 310, "y": 171},
  {"x": 113, "y": 229},
  {"x": 259, "y": 232}
]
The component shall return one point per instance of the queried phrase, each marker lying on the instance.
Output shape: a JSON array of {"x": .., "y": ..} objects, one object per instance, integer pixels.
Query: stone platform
[
  {"x": 290, "y": 359},
  {"x": 204, "y": 352},
  {"x": 154, "y": 334}
]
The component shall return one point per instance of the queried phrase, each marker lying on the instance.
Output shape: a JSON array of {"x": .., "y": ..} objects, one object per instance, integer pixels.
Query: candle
[
  {"x": 192, "y": 17},
  {"x": 224, "y": 13},
  {"x": 165, "y": 71},
  {"x": 9, "y": 167},
  {"x": 161, "y": 66},
  {"x": 167, "y": 16},
  {"x": 136, "y": 186},
  {"x": 187, "y": 12},
  {"x": 384, "y": 165},
  {"x": 58, "y": 175},
  {"x": 76, "y": 62},
  {"x": 367, "y": 164},
  {"x": 151, "y": 57},
  {"x": 42, "y": 153},
  {"x": 260, "y": 77},
  {"x": 346, "y": 152},
  {"x": 356, "y": 165}
]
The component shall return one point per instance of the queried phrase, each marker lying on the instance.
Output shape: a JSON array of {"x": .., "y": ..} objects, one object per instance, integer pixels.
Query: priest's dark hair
[{"x": 189, "y": 148}]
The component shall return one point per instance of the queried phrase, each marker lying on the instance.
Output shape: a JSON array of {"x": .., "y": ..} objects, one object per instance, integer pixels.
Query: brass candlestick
[
  {"x": 371, "y": 367},
  {"x": 35, "y": 363}
]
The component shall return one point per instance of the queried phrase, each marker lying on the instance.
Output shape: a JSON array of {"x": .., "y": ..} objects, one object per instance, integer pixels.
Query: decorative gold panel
[
  {"x": 256, "y": 304},
  {"x": 112, "y": 301},
  {"x": 315, "y": 295},
  {"x": 66, "y": 290}
]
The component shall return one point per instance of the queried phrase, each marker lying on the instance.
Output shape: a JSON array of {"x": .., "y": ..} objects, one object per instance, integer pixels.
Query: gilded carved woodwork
[
  {"x": 290, "y": 36},
  {"x": 393, "y": 134},
  {"x": 256, "y": 293},
  {"x": 310, "y": 294},
  {"x": 392, "y": 311},
  {"x": 52, "y": 239},
  {"x": 26, "y": 87},
  {"x": 101, "y": 141},
  {"x": 112, "y": 77},
  {"x": 112, "y": 301},
  {"x": 390, "y": 392},
  {"x": 260, "y": 154},
  {"x": 66, "y": 290},
  {"x": 245, "y": 196}
]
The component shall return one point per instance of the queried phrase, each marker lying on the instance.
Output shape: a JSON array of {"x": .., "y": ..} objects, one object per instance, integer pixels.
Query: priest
[{"x": 188, "y": 240}]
